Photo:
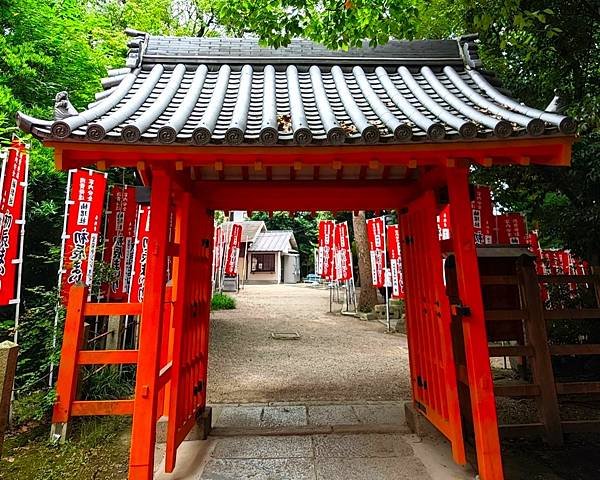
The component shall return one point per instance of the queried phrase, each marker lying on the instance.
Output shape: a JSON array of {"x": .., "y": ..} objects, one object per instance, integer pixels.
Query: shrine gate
[{"x": 223, "y": 124}]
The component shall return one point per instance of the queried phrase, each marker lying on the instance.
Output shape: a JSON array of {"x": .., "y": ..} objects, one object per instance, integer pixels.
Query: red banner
[
  {"x": 376, "y": 233},
  {"x": 393, "y": 241},
  {"x": 140, "y": 255},
  {"x": 14, "y": 179},
  {"x": 326, "y": 259},
  {"x": 119, "y": 243},
  {"x": 511, "y": 229},
  {"x": 233, "y": 250},
  {"x": 483, "y": 215},
  {"x": 83, "y": 217},
  {"x": 343, "y": 252}
]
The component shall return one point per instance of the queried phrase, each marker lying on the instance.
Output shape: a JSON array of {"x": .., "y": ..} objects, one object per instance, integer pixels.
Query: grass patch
[
  {"x": 221, "y": 301},
  {"x": 98, "y": 449}
]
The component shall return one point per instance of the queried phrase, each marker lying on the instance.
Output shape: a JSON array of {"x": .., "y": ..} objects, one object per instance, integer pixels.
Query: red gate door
[
  {"x": 428, "y": 317},
  {"x": 192, "y": 293}
]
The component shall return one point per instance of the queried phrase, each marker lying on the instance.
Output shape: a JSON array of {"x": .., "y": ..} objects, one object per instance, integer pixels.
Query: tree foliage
[{"x": 535, "y": 46}]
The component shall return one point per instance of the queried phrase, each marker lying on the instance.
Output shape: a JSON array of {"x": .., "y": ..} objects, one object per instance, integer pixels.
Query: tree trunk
[{"x": 367, "y": 299}]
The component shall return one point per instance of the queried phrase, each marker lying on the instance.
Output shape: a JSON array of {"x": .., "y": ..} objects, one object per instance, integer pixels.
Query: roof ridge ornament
[
  {"x": 63, "y": 107},
  {"x": 469, "y": 50}
]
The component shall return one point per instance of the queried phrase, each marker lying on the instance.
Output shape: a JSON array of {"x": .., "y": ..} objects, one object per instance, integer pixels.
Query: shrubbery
[{"x": 221, "y": 301}]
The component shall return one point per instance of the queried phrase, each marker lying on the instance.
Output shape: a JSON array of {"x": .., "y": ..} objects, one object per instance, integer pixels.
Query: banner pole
[
  {"x": 60, "y": 273},
  {"x": 387, "y": 300},
  {"x": 245, "y": 262},
  {"x": 21, "y": 248}
]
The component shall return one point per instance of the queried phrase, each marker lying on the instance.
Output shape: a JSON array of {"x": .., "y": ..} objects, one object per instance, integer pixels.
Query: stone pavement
[{"x": 342, "y": 441}]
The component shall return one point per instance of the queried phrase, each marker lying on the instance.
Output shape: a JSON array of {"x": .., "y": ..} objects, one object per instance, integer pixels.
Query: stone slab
[
  {"x": 416, "y": 422},
  {"x": 368, "y": 445},
  {"x": 380, "y": 414},
  {"x": 259, "y": 469},
  {"x": 370, "y": 469},
  {"x": 263, "y": 447},
  {"x": 289, "y": 416},
  {"x": 239, "y": 416},
  {"x": 8, "y": 365},
  {"x": 332, "y": 415}
]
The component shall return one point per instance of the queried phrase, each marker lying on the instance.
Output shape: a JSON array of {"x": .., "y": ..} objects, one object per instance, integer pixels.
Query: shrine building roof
[{"x": 232, "y": 91}]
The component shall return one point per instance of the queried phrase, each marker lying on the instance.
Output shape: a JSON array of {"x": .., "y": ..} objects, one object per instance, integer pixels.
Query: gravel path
[{"x": 338, "y": 358}]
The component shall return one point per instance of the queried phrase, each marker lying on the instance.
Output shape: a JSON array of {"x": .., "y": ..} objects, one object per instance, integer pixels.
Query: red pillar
[
  {"x": 143, "y": 434},
  {"x": 66, "y": 384},
  {"x": 481, "y": 387}
]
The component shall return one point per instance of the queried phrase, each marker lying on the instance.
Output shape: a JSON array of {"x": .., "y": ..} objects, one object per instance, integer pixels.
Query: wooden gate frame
[
  {"x": 171, "y": 378},
  {"x": 428, "y": 323}
]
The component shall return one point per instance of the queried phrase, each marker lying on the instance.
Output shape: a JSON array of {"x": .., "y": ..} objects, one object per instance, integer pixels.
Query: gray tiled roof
[
  {"x": 274, "y": 241},
  {"x": 250, "y": 229},
  {"x": 231, "y": 91}
]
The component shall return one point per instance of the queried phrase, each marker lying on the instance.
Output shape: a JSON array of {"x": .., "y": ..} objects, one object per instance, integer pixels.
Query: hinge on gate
[
  {"x": 198, "y": 387},
  {"x": 408, "y": 239},
  {"x": 421, "y": 382},
  {"x": 460, "y": 310},
  {"x": 205, "y": 242},
  {"x": 421, "y": 407}
]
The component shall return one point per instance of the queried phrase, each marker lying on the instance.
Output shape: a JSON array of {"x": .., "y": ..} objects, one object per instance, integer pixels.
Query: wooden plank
[
  {"x": 535, "y": 329},
  {"x": 517, "y": 390},
  {"x": 584, "y": 349},
  {"x": 572, "y": 314},
  {"x": 537, "y": 429},
  {"x": 498, "y": 280},
  {"x": 481, "y": 387},
  {"x": 504, "y": 315},
  {"x": 576, "y": 388},
  {"x": 521, "y": 430},
  {"x": 102, "y": 407},
  {"x": 97, "y": 309},
  {"x": 511, "y": 351},
  {"x": 565, "y": 279},
  {"x": 581, "y": 426},
  {"x": 107, "y": 357}
]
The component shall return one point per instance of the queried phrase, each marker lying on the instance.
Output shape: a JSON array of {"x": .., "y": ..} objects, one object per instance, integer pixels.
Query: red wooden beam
[
  {"x": 97, "y": 309},
  {"x": 547, "y": 151},
  {"x": 72, "y": 340},
  {"x": 481, "y": 387},
  {"x": 143, "y": 431},
  {"x": 102, "y": 407},
  {"x": 306, "y": 196},
  {"x": 107, "y": 357}
]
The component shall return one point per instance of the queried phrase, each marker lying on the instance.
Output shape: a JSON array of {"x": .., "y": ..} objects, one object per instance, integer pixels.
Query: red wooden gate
[
  {"x": 192, "y": 294},
  {"x": 433, "y": 374}
]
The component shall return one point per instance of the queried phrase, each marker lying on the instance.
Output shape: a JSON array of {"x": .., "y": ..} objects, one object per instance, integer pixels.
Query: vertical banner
[
  {"x": 343, "y": 252},
  {"x": 140, "y": 255},
  {"x": 12, "y": 201},
  {"x": 233, "y": 250},
  {"x": 326, "y": 263},
  {"x": 483, "y": 215},
  {"x": 119, "y": 243},
  {"x": 376, "y": 232},
  {"x": 511, "y": 229},
  {"x": 216, "y": 266},
  {"x": 443, "y": 221},
  {"x": 393, "y": 242},
  {"x": 534, "y": 246},
  {"x": 83, "y": 216}
]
